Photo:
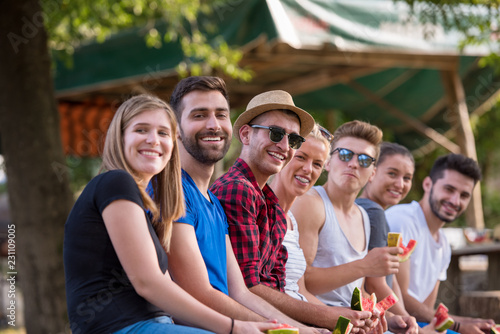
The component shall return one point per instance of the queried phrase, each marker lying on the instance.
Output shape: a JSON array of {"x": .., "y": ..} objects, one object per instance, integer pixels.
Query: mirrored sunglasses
[
  {"x": 346, "y": 155},
  {"x": 277, "y": 134}
]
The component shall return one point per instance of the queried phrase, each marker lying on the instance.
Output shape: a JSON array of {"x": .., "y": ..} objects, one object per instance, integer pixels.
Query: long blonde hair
[{"x": 167, "y": 203}]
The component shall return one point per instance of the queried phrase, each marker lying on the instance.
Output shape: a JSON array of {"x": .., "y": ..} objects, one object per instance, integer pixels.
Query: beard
[
  {"x": 436, "y": 205},
  {"x": 205, "y": 156}
]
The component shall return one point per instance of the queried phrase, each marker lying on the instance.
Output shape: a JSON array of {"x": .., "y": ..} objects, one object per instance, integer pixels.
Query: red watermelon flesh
[
  {"x": 443, "y": 320},
  {"x": 396, "y": 239},
  {"x": 385, "y": 304},
  {"x": 359, "y": 303},
  {"x": 495, "y": 329}
]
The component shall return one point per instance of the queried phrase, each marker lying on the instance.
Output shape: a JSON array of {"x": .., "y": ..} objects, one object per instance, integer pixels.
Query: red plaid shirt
[{"x": 257, "y": 226}]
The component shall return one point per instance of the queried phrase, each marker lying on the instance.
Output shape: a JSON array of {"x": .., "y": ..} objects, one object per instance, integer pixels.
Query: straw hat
[{"x": 272, "y": 100}]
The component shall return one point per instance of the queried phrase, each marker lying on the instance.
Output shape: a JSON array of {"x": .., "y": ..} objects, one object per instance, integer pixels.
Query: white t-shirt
[{"x": 430, "y": 259}]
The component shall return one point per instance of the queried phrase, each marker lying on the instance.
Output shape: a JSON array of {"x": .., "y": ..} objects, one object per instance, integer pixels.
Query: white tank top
[
  {"x": 296, "y": 263},
  {"x": 335, "y": 249}
]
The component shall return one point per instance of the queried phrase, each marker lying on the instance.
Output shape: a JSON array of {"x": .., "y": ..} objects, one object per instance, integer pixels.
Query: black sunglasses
[
  {"x": 277, "y": 134},
  {"x": 346, "y": 155},
  {"x": 325, "y": 133}
]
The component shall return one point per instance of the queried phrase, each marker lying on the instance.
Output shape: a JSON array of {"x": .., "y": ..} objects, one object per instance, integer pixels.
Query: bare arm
[
  {"x": 422, "y": 311},
  {"x": 239, "y": 291},
  {"x": 309, "y": 313},
  {"x": 397, "y": 290},
  {"x": 425, "y": 311},
  {"x": 127, "y": 228},
  {"x": 309, "y": 296},
  {"x": 309, "y": 212},
  {"x": 473, "y": 325},
  {"x": 188, "y": 269}
]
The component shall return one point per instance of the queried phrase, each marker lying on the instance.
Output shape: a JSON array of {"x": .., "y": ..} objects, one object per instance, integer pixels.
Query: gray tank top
[{"x": 335, "y": 249}]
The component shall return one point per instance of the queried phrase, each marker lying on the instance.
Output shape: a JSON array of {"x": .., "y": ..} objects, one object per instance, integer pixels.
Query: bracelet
[
  {"x": 455, "y": 327},
  {"x": 232, "y": 326}
]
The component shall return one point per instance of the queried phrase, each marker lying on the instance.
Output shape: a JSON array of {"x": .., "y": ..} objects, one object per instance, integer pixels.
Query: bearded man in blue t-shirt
[{"x": 201, "y": 258}]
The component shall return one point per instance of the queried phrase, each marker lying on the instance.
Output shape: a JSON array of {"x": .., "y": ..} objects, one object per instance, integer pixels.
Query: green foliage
[
  {"x": 487, "y": 139},
  {"x": 492, "y": 60},
  {"x": 73, "y": 23},
  {"x": 477, "y": 20},
  {"x": 81, "y": 171}
]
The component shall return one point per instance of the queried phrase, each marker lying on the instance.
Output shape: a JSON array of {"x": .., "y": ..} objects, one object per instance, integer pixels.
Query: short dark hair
[
  {"x": 361, "y": 130},
  {"x": 388, "y": 149},
  {"x": 187, "y": 85},
  {"x": 457, "y": 162}
]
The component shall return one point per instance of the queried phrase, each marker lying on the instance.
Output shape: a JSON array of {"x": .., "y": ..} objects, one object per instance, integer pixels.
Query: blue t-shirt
[
  {"x": 210, "y": 224},
  {"x": 99, "y": 294}
]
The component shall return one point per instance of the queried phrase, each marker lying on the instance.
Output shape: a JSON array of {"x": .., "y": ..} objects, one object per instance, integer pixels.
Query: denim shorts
[{"x": 162, "y": 324}]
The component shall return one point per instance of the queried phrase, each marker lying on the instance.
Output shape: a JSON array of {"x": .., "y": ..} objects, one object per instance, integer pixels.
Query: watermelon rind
[
  {"x": 343, "y": 326},
  {"x": 495, "y": 329},
  {"x": 356, "y": 300},
  {"x": 443, "y": 321},
  {"x": 394, "y": 239},
  {"x": 444, "y": 325},
  {"x": 358, "y": 303}
]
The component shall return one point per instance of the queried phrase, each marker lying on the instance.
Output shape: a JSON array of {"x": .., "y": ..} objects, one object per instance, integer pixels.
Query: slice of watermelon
[
  {"x": 443, "y": 320},
  {"x": 495, "y": 329},
  {"x": 284, "y": 329},
  {"x": 359, "y": 303},
  {"x": 385, "y": 304},
  {"x": 396, "y": 239},
  {"x": 343, "y": 326}
]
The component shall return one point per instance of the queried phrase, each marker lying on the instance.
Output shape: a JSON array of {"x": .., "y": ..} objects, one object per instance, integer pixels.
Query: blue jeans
[
  {"x": 423, "y": 324},
  {"x": 159, "y": 325}
]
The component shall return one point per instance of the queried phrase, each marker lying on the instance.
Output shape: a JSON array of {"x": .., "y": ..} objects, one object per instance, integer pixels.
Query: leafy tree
[
  {"x": 488, "y": 137},
  {"x": 477, "y": 20},
  {"x": 39, "y": 191}
]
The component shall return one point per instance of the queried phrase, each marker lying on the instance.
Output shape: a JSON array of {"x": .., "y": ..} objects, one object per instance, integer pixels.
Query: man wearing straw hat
[{"x": 270, "y": 130}]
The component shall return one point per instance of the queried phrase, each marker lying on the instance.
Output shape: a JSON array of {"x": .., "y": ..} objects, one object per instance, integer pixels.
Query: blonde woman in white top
[{"x": 295, "y": 180}]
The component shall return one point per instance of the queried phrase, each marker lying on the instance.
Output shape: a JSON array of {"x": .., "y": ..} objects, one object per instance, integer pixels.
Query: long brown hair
[{"x": 167, "y": 203}]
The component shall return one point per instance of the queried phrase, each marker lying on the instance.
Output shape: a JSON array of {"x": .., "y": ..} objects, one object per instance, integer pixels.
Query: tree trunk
[{"x": 39, "y": 193}]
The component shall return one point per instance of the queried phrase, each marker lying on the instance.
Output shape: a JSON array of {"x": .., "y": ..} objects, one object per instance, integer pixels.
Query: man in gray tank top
[{"x": 334, "y": 231}]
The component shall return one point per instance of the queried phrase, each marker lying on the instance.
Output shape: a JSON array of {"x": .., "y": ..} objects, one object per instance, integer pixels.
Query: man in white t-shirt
[{"x": 447, "y": 193}]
